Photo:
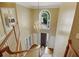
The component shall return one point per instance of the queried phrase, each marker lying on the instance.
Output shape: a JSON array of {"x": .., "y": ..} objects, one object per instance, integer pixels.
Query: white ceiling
[{"x": 36, "y": 5}]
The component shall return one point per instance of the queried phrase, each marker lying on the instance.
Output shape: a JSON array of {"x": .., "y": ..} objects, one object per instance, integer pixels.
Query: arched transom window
[{"x": 44, "y": 18}]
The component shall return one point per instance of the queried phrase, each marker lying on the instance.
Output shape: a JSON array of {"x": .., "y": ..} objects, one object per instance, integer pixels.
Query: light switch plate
[{"x": 77, "y": 36}]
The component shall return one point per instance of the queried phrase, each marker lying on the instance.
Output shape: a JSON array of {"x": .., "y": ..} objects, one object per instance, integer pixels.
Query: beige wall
[
  {"x": 54, "y": 17},
  {"x": 65, "y": 20},
  {"x": 75, "y": 30}
]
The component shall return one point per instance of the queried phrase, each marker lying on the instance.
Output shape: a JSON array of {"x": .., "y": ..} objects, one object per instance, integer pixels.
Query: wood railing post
[
  {"x": 70, "y": 46},
  {"x": 67, "y": 48},
  {"x": 16, "y": 38}
]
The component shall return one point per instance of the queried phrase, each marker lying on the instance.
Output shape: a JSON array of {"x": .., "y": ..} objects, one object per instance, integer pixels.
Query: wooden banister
[
  {"x": 7, "y": 49},
  {"x": 7, "y": 36},
  {"x": 5, "y": 39},
  {"x": 67, "y": 49}
]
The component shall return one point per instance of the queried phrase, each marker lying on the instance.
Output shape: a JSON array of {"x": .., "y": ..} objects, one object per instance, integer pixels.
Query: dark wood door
[{"x": 43, "y": 39}]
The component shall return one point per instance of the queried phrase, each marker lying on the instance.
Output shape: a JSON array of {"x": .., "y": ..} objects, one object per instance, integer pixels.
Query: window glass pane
[{"x": 8, "y": 16}]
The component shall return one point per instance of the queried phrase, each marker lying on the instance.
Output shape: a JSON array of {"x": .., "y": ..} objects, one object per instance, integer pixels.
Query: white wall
[
  {"x": 65, "y": 19},
  {"x": 35, "y": 35},
  {"x": 51, "y": 41},
  {"x": 24, "y": 18},
  {"x": 36, "y": 38},
  {"x": 1, "y": 28}
]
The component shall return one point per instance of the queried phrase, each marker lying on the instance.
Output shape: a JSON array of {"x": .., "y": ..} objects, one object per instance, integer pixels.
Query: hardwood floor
[
  {"x": 47, "y": 52},
  {"x": 33, "y": 52},
  {"x": 50, "y": 50},
  {"x": 37, "y": 51}
]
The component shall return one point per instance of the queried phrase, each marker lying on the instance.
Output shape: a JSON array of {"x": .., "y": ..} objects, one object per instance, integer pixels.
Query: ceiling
[{"x": 36, "y": 5}]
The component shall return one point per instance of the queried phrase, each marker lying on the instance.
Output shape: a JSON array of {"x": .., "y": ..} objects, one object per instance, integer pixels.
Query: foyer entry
[{"x": 43, "y": 39}]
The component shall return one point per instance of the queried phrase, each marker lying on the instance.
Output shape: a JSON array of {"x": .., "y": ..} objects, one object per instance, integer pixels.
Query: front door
[{"x": 43, "y": 39}]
